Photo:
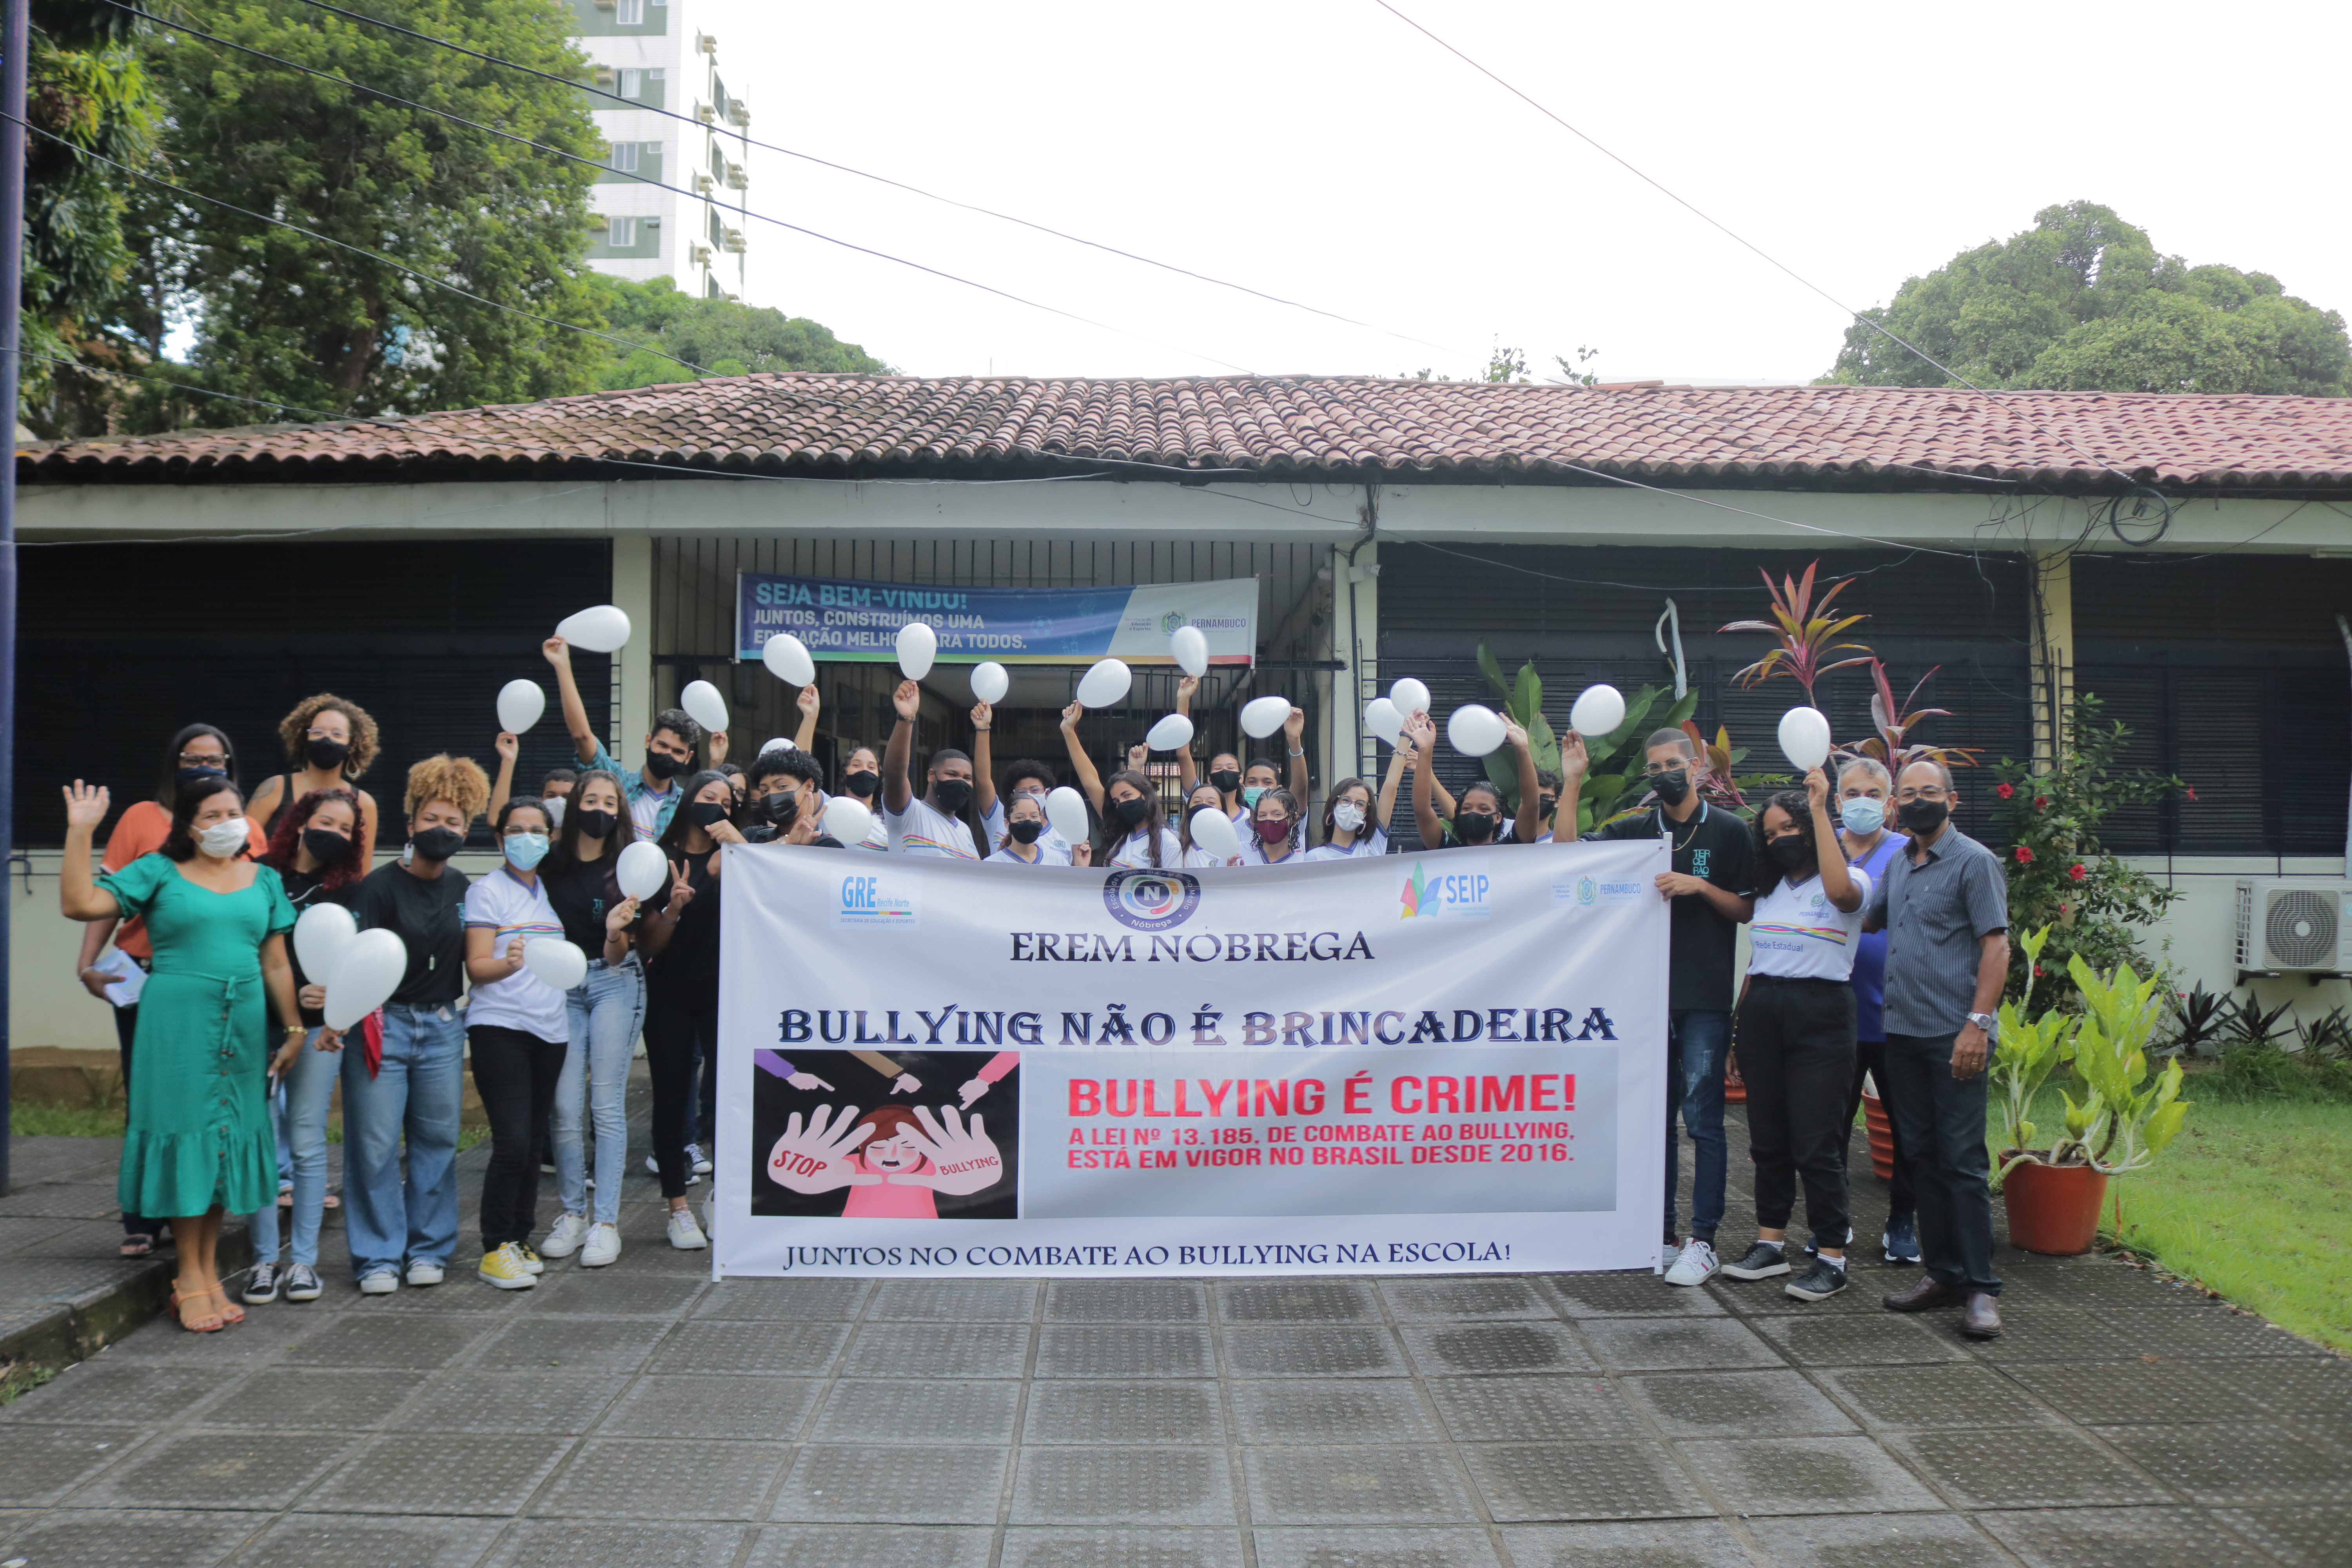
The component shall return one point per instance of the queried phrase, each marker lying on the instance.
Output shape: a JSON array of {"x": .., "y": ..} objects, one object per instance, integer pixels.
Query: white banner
[{"x": 1430, "y": 1063}]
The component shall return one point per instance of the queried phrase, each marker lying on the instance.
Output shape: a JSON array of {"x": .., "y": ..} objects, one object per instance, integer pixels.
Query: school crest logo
[
  {"x": 1587, "y": 890},
  {"x": 1171, "y": 622},
  {"x": 1151, "y": 900}
]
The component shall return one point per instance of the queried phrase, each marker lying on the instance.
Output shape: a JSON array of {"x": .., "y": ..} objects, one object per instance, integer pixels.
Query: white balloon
[
  {"x": 1409, "y": 697},
  {"x": 640, "y": 871},
  {"x": 787, "y": 658},
  {"x": 1213, "y": 830},
  {"x": 1105, "y": 684},
  {"x": 1804, "y": 737},
  {"x": 1475, "y": 731},
  {"x": 1599, "y": 711},
  {"x": 364, "y": 977},
  {"x": 555, "y": 962},
  {"x": 521, "y": 702},
  {"x": 1066, "y": 809},
  {"x": 1190, "y": 647},
  {"x": 847, "y": 819},
  {"x": 990, "y": 682},
  {"x": 704, "y": 705},
  {"x": 602, "y": 629},
  {"x": 1382, "y": 718},
  {"x": 321, "y": 939},
  {"x": 776, "y": 743},
  {"x": 1172, "y": 733},
  {"x": 917, "y": 646},
  {"x": 1262, "y": 716}
]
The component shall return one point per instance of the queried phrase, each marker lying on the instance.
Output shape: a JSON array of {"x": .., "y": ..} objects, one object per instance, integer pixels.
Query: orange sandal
[
  {"x": 230, "y": 1312},
  {"x": 178, "y": 1306}
]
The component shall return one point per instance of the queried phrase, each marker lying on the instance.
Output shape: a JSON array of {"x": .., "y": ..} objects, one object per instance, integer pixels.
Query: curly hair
[
  {"x": 1798, "y": 805},
  {"x": 458, "y": 780},
  {"x": 293, "y": 729},
  {"x": 287, "y": 837}
]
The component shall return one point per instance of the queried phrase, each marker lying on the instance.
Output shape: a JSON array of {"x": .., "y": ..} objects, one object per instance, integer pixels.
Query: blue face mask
[
  {"x": 1249, "y": 795},
  {"x": 1861, "y": 816},
  {"x": 525, "y": 850}
]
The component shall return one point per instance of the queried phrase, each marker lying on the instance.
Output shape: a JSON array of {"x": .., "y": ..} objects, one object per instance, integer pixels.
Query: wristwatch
[{"x": 1986, "y": 1022}]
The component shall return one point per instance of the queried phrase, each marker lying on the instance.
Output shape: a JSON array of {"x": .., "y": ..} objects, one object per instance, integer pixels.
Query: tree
[
  {"x": 2082, "y": 302},
  {"x": 722, "y": 337},
  {"x": 297, "y": 320}
]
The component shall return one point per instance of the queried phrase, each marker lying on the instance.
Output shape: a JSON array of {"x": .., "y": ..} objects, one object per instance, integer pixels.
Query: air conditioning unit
[
  {"x": 735, "y": 239},
  {"x": 707, "y": 114},
  {"x": 704, "y": 184},
  {"x": 706, "y": 44},
  {"x": 700, "y": 254},
  {"x": 603, "y": 75},
  {"x": 738, "y": 112},
  {"x": 2294, "y": 926},
  {"x": 736, "y": 178}
]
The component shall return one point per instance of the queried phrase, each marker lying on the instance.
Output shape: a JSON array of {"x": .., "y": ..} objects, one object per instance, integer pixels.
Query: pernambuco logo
[
  {"x": 1151, "y": 900},
  {"x": 1587, "y": 890},
  {"x": 1169, "y": 622}
]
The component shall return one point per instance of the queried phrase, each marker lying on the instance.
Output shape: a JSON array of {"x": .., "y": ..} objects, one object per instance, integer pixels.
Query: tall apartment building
[{"x": 660, "y": 54}]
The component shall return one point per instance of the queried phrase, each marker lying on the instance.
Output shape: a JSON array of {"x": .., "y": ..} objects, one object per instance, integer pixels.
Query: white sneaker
[
  {"x": 695, "y": 1158},
  {"x": 603, "y": 1245},
  {"x": 379, "y": 1283},
  {"x": 684, "y": 1233},
  {"x": 564, "y": 1239},
  {"x": 425, "y": 1272},
  {"x": 1695, "y": 1265}
]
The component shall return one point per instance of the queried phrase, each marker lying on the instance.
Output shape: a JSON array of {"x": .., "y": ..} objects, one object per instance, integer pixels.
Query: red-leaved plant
[
  {"x": 1805, "y": 631},
  {"x": 1894, "y": 726}
]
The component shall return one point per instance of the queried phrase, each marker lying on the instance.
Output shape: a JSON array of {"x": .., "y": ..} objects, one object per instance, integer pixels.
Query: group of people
[{"x": 1875, "y": 951}]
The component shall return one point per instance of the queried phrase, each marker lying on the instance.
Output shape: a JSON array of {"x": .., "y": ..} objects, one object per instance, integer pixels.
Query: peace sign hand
[
  {"x": 681, "y": 892},
  {"x": 817, "y": 1159},
  {"x": 963, "y": 1159}
]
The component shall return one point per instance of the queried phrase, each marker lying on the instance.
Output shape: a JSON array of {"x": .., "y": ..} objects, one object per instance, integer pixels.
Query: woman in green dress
[{"x": 198, "y": 1140}]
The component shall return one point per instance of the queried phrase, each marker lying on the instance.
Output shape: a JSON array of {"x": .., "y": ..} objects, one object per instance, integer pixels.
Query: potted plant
[{"x": 2124, "y": 1119}]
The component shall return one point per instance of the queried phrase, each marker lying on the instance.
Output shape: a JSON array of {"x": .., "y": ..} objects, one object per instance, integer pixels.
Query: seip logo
[
  {"x": 1459, "y": 891},
  {"x": 876, "y": 898},
  {"x": 1151, "y": 900}
]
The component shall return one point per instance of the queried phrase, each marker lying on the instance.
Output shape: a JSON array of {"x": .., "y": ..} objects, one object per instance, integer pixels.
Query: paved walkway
[{"x": 641, "y": 1415}]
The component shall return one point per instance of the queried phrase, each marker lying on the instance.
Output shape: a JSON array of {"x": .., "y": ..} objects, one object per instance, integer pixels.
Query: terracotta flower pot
[
  {"x": 1735, "y": 1087},
  {"x": 2054, "y": 1209},
  {"x": 1881, "y": 1129}
]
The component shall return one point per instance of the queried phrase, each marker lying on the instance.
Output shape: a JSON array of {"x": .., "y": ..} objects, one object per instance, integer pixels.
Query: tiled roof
[{"x": 1327, "y": 427}]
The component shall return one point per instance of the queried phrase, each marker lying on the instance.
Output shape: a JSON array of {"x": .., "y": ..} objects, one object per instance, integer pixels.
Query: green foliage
[
  {"x": 28, "y": 1118},
  {"x": 1805, "y": 631},
  {"x": 2252, "y": 1073},
  {"x": 2199, "y": 1017},
  {"x": 2125, "y": 1118},
  {"x": 722, "y": 336},
  {"x": 2082, "y": 302},
  {"x": 2060, "y": 875},
  {"x": 1523, "y": 701},
  {"x": 1605, "y": 795},
  {"x": 2030, "y": 1049}
]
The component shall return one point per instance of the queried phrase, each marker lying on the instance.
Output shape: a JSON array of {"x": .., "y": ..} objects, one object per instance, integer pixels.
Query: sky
[{"x": 1324, "y": 152}]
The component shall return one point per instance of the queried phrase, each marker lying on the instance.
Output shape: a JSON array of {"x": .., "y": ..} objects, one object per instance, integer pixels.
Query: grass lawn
[{"x": 80, "y": 1122}]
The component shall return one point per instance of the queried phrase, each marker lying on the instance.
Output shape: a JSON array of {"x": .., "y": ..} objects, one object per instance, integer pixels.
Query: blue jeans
[
  {"x": 1695, "y": 1044},
  {"x": 301, "y": 1108},
  {"x": 606, "y": 1011},
  {"x": 416, "y": 1092}
]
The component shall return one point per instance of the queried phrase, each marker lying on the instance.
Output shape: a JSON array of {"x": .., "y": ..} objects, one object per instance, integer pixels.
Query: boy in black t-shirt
[{"x": 1712, "y": 888}]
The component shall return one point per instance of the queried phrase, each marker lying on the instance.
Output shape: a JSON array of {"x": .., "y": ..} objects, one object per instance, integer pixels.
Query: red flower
[
  {"x": 2192, "y": 794},
  {"x": 2040, "y": 803},
  {"x": 2062, "y": 909},
  {"x": 2004, "y": 790},
  {"x": 2024, "y": 856},
  {"x": 2037, "y": 971},
  {"x": 2077, "y": 871}
]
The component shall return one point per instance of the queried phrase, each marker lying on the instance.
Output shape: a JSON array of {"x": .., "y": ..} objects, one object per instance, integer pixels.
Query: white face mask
[
  {"x": 1348, "y": 816},
  {"x": 555, "y": 810},
  {"x": 222, "y": 840}
]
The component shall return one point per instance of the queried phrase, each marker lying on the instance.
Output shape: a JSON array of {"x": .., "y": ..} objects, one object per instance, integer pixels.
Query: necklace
[{"x": 1667, "y": 832}]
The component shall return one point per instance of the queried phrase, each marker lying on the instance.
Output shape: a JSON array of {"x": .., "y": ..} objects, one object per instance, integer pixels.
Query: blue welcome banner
[{"x": 842, "y": 618}]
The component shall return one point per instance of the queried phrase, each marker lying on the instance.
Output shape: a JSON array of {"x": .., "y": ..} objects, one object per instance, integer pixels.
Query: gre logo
[
  {"x": 1151, "y": 900},
  {"x": 874, "y": 900}
]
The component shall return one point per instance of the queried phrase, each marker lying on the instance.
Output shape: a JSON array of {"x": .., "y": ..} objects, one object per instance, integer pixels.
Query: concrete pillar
[
  {"x": 1355, "y": 643},
  {"x": 2053, "y": 654},
  {"x": 633, "y": 591}
]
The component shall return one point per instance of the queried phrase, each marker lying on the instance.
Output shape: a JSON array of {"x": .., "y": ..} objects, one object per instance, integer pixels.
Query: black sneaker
[
  {"x": 1763, "y": 1260},
  {"x": 1819, "y": 1283},
  {"x": 264, "y": 1286},
  {"x": 1814, "y": 1247}
]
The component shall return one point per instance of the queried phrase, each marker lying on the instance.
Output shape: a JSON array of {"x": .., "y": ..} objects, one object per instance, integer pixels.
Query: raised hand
[
  {"x": 1817, "y": 789},
  {"x": 808, "y": 701},
  {"x": 1515, "y": 733},
  {"x": 1295, "y": 726},
  {"x": 1138, "y": 756},
  {"x": 557, "y": 652},
  {"x": 509, "y": 745},
  {"x": 808, "y": 825},
  {"x": 1424, "y": 731},
  {"x": 816, "y": 1159},
  {"x": 963, "y": 1159},
  {"x": 84, "y": 804},
  {"x": 908, "y": 699},
  {"x": 1573, "y": 760},
  {"x": 1071, "y": 715},
  {"x": 617, "y": 923},
  {"x": 983, "y": 715},
  {"x": 1184, "y": 690},
  {"x": 680, "y": 893},
  {"x": 1082, "y": 852},
  {"x": 718, "y": 739}
]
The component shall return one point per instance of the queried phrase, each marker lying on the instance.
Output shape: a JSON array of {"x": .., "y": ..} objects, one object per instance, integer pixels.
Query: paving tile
[
  {"x": 1125, "y": 1350},
  {"x": 940, "y": 1350},
  {"x": 788, "y": 1300},
  {"x": 2293, "y": 1387},
  {"x": 2122, "y": 1537},
  {"x": 728, "y": 1348},
  {"x": 1125, "y": 1302},
  {"x": 2137, "y": 1392},
  {"x": 440, "y": 1472},
  {"x": 2025, "y": 1467},
  {"x": 1042, "y": 1548},
  {"x": 868, "y": 1546},
  {"x": 1642, "y": 1295},
  {"x": 1661, "y": 1544},
  {"x": 2237, "y": 1466},
  {"x": 683, "y": 1407},
  {"x": 1605, "y": 1478},
  {"x": 953, "y": 1300},
  {"x": 215, "y": 1469},
  {"x": 410, "y": 1341},
  {"x": 311, "y": 1539},
  {"x": 1342, "y": 1410},
  {"x": 110, "y": 1389},
  {"x": 61, "y": 1200},
  {"x": 1333, "y": 1350},
  {"x": 1297, "y": 1301},
  {"x": 1806, "y": 1475},
  {"x": 1892, "y": 1541},
  {"x": 1391, "y": 1485},
  {"x": 2204, "y": 1332},
  {"x": 17, "y": 1233},
  {"x": 1521, "y": 1347},
  {"x": 118, "y": 1538},
  {"x": 267, "y": 1333},
  {"x": 1736, "y": 1404},
  {"x": 1888, "y": 1339},
  {"x": 1393, "y": 1546},
  {"x": 40, "y": 1463},
  {"x": 935, "y": 1410},
  {"x": 1171, "y": 1485},
  {"x": 1121, "y": 1413},
  {"x": 576, "y": 1544},
  {"x": 620, "y": 1295},
  {"x": 608, "y": 1345},
  {"x": 867, "y": 1483},
  {"x": 2302, "y": 1537},
  {"x": 1532, "y": 1409},
  {"x": 646, "y": 1477},
  {"x": 1462, "y": 1300},
  {"x": 466, "y": 1400},
  {"x": 1678, "y": 1344},
  {"x": 313, "y": 1398}
]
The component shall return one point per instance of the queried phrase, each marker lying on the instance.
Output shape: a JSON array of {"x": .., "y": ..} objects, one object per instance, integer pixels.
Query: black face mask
[
  {"x": 594, "y": 824},
  {"x": 953, "y": 795},
  {"x": 1474, "y": 826},
  {"x": 187, "y": 776},
  {"x": 437, "y": 843},
  {"x": 1131, "y": 813},
  {"x": 1027, "y": 832},
  {"x": 703, "y": 813},
  {"x": 861, "y": 784},
  {"x": 1226, "y": 780},
  {"x": 662, "y": 765},
  {"x": 781, "y": 807},
  {"x": 1921, "y": 818},
  {"x": 325, "y": 847},
  {"x": 325, "y": 753},
  {"x": 1674, "y": 787},
  {"x": 1791, "y": 853},
  {"x": 1546, "y": 804}
]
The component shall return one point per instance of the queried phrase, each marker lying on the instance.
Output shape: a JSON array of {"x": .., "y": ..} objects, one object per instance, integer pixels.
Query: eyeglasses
[
  {"x": 204, "y": 759},
  {"x": 1657, "y": 770}
]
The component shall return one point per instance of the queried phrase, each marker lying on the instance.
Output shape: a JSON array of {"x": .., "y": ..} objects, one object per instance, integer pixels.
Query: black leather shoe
[
  {"x": 1921, "y": 1295},
  {"x": 1980, "y": 1316}
]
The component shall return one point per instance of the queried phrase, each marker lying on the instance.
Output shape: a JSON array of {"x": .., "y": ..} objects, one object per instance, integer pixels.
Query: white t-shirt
[
  {"x": 1043, "y": 856},
  {"x": 645, "y": 811},
  {"x": 1799, "y": 934},
  {"x": 1055, "y": 848},
  {"x": 1376, "y": 842},
  {"x": 1197, "y": 857},
  {"x": 1136, "y": 849},
  {"x": 1253, "y": 849},
  {"x": 924, "y": 829},
  {"x": 502, "y": 904}
]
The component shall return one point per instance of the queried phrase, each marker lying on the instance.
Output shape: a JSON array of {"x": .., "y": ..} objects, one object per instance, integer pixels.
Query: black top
[
  {"x": 429, "y": 918},
  {"x": 582, "y": 893},
  {"x": 1716, "y": 846},
  {"x": 690, "y": 964},
  {"x": 303, "y": 890}
]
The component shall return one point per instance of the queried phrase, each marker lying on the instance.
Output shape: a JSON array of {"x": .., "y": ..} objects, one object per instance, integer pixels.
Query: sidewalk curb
[{"x": 83, "y": 1325}]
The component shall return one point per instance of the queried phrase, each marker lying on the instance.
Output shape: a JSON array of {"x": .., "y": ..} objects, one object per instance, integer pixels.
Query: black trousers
[
  {"x": 1942, "y": 1123},
  {"x": 1796, "y": 1051},
  {"x": 515, "y": 1074},
  {"x": 1870, "y": 1058},
  {"x": 126, "y": 1025},
  {"x": 681, "y": 1022}
]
